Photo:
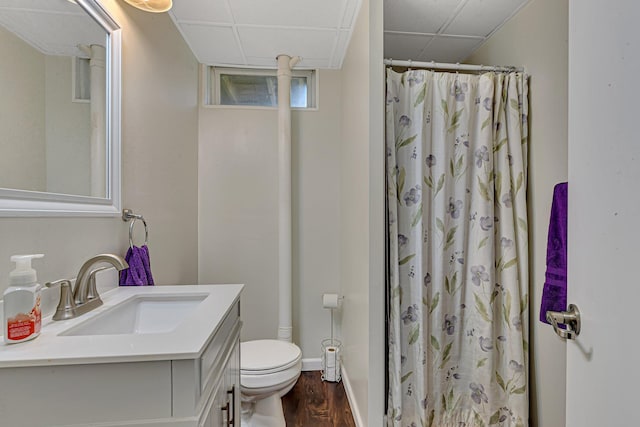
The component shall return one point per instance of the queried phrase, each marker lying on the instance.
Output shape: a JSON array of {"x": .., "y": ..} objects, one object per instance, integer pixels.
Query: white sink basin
[
  {"x": 141, "y": 314},
  {"x": 135, "y": 324}
]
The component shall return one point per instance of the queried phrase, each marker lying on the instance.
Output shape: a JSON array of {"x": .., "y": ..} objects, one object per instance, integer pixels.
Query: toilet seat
[
  {"x": 267, "y": 365},
  {"x": 267, "y": 356}
]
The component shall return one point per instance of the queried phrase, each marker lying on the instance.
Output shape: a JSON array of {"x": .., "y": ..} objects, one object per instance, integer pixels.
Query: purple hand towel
[
  {"x": 139, "y": 271},
  {"x": 554, "y": 293}
]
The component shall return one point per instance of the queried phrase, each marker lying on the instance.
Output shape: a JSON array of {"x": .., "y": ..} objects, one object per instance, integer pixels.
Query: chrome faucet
[
  {"x": 85, "y": 290},
  {"x": 85, "y": 296}
]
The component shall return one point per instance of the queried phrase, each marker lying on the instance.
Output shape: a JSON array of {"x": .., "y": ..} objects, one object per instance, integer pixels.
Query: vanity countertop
[{"x": 186, "y": 341}]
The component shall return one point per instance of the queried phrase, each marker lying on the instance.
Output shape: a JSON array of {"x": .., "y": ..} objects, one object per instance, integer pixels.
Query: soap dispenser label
[{"x": 23, "y": 325}]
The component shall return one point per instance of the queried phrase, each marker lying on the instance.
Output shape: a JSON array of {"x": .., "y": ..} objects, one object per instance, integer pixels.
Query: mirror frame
[{"x": 21, "y": 203}]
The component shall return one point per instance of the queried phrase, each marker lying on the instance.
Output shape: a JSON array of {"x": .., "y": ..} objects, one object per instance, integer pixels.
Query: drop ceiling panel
[
  {"x": 271, "y": 42},
  {"x": 481, "y": 17},
  {"x": 43, "y": 5},
  {"x": 468, "y": 22},
  {"x": 53, "y": 33},
  {"x": 404, "y": 46},
  {"x": 213, "y": 11},
  {"x": 418, "y": 16},
  {"x": 318, "y": 31},
  {"x": 449, "y": 49},
  {"x": 289, "y": 13},
  {"x": 212, "y": 43}
]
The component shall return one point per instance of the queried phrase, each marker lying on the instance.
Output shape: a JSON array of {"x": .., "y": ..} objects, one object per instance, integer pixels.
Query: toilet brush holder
[{"x": 331, "y": 358}]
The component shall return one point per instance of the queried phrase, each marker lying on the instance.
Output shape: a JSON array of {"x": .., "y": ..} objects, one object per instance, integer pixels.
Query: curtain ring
[{"x": 146, "y": 230}]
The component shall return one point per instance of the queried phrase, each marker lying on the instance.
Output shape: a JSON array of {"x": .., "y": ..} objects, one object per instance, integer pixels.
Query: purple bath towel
[
  {"x": 139, "y": 271},
  {"x": 554, "y": 293}
]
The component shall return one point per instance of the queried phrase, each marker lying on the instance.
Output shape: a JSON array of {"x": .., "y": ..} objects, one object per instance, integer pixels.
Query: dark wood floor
[{"x": 316, "y": 403}]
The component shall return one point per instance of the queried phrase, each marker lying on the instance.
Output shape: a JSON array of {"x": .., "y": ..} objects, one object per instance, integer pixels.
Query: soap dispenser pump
[{"x": 22, "y": 313}]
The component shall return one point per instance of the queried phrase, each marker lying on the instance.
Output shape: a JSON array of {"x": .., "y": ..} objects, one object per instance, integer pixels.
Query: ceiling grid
[
  {"x": 442, "y": 30},
  {"x": 318, "y": 32},
  {"x": 250, "y": 33}
]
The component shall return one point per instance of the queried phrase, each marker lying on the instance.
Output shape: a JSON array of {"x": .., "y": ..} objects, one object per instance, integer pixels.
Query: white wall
[
  {"x": 238, "y": 206},
  {"x": 537, "y": 38},
  {"x": 68, "y": 132},
  {"x": 159, "y": 137},
  {"x": 377, "y": 229},
  {"x": 22, "y": 115},
  {"x": 362, "y": 217},
  {"x": 316, "y": 214}
]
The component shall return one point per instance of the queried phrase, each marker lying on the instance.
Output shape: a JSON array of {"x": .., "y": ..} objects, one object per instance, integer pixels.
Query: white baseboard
[
  {"x": 314, "y": 364},
  {"x": 355, "y": 410}
]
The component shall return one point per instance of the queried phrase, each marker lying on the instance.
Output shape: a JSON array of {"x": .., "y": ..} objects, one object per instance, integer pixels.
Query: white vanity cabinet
[
  {"x": 197, "y": 387},
  {"x": 209, "y": 387}
]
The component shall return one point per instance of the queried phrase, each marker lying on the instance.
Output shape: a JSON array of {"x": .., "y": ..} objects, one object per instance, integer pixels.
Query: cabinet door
[
  {"x": 232, "y": 374},
  {"x": 225, "y": 407},
  {"x": 217, "y": 415}
]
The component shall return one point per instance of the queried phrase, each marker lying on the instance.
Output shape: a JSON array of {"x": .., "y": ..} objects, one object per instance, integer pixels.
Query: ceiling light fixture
[{"x": 155, "y": 6}]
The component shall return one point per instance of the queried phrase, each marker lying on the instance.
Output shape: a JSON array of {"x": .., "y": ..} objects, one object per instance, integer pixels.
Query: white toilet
[{"x": 268, "y": 370}]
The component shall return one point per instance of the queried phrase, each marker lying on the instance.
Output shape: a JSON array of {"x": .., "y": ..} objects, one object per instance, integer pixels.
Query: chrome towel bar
[{"x": 129, "y": 216}]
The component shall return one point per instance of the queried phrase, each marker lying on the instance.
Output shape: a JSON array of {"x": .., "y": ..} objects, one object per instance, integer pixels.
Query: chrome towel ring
[{"x": 128, "y": 215}]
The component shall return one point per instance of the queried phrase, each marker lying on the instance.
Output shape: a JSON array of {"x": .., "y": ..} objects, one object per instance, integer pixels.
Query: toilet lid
[{"x": 266, "y": 356}]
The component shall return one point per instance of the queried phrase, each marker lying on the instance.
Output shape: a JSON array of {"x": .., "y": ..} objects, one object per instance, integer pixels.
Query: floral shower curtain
[{"x": 458, "y": 303}]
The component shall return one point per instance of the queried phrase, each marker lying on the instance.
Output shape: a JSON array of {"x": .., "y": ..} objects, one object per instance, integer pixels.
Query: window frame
[
  {"x": 80, "y": 73},
  {"x": 211, "y": 86}
]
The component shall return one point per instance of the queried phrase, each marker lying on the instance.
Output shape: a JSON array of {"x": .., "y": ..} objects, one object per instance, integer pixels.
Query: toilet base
[{"x": 266, "y": 412}]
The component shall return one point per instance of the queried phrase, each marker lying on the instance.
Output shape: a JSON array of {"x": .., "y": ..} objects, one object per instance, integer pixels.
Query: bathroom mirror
[{"x": 59, "y": 109}]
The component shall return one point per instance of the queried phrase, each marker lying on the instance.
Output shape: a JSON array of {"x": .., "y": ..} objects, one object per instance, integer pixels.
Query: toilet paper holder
[
  {"x": 331, "y": 358},
  {"x": 331, "y": 348}
]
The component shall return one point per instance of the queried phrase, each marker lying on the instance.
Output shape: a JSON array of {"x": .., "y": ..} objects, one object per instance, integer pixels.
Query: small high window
[
  {"x": 257, "y": 88},
  {"x": 81, "y": 79}
]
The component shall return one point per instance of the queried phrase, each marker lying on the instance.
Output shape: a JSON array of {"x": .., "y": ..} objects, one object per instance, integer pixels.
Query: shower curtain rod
[{"x": 446, "y": 66}]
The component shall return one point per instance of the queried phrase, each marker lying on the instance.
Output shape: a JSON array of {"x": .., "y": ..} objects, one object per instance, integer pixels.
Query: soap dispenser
[{"x": 22, "y": 312}]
